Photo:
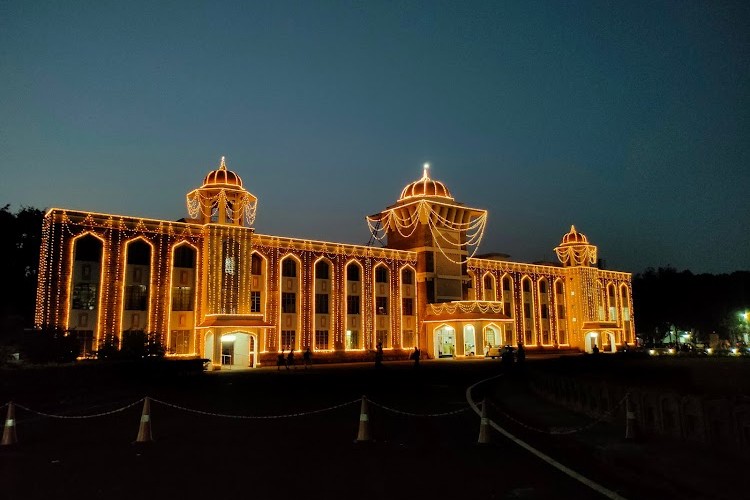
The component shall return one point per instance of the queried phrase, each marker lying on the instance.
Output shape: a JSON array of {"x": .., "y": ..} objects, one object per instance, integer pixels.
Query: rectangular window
[
  {"x": 289, "y": 268},
  {"x": 381, "y": 305},
  {"x": 381, "y": 336},
  {"x": 256, "y": 265},
  {"x": 352, "y": 304},
  {"x": 527, "y": 339},
  {"x": 255, "y": 302},
  {"x": 429, "y": 262},
  {"x": 526, "y": 286},
  {"x": 408, "y": 338},
  {"x": 408, "y": 277},
  {"x": 543, "y": 287},
  {"x": 508, "y": 310},
  {"x": 321, "y": 303},
  {"x": 506, "y": 284},
  {"x": 545, "y": 337},
  {"x": 136, "y": 297},
  {"x": 288, "y": 302},
  {"x": 179, "y": 342},
  {"x": 182, "y": 298},
  {"x": 321, "y": 339},
  {"x": 84, "y": 296},
  {"x": 352, "y": 272},
  {"x": 545, "y": 311},
  {"x": 563, "y": 338},
  {"x": 381, "y": 274},
  {"x": 352, "y": 339},
  {"x": 407, "y": 308},
  {"x": 560, "y": 311},
  {"x": 287, "y": 339},
  {"x": 527, "y": 311}
]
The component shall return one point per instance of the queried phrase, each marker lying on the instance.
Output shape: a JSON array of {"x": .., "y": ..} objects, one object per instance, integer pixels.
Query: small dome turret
[
  {"x": 574, "y": 237},
  {"x": 425, "y": 187},
  {"x": 222, "y": 176}
]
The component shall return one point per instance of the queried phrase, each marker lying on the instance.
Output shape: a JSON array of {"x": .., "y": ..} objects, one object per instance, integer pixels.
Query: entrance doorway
[
  {"x": 238, "y": 350},
  {"x": 445, "y": 342},
  {"x": 592, "y": 339}
]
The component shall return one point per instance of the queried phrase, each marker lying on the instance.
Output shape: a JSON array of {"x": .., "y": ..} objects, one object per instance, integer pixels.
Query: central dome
[
  {"x": 222, "y": 177},
  {"x": 574, "y": 238},
  {"x": 425, "y": 187}
]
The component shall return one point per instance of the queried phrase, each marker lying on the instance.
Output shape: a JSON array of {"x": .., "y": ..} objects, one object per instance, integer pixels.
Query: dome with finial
[
  {"x": 222, "y": 177},
  {"x": 425, "y": 187},
  {"x": 574, "y": 238}
]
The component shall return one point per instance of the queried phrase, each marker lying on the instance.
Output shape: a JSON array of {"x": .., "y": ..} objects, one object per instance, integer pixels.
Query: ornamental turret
[
  {"x": 575, "y": 250},
  {"x": 221, "y": 199}
]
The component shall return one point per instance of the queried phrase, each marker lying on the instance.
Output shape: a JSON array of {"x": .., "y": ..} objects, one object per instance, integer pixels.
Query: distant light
[
  {"x": 652, "y": 352},
  {"x": 228, "y": 338},
  {"x": 671, "y": 351}
]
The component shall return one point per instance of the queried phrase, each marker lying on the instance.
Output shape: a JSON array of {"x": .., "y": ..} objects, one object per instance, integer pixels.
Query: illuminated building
[{"x": 210, "y": 286}]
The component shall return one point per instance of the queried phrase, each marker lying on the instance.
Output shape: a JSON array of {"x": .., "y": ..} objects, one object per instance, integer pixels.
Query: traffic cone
[
  {"x": 9, "y": 431},
  {"x": 364, "y": 422},
  {"x": 144, "y": 431},
  {"x": 484, "y": 425},
  {"x": 630, "y": 421}
]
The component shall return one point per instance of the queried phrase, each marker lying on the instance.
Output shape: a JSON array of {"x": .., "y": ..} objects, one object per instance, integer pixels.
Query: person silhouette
[
  {"x": 415, "y": 356},
  {"x": 379, "y": 355},
  {"x": 307, "y": 357},
  {"x": 280, "y": 360},
  {"x": 290, "y": 359}
]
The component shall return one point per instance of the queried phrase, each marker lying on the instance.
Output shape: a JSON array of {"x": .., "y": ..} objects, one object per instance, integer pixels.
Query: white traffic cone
[
  {"x": 364, "y": 422},
  {"x": 9, "y": 431},
  {"x": 144, "y": 430}
]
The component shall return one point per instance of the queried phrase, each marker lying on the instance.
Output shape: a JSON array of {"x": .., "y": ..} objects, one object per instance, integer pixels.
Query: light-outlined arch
[
  {"x": 404, "y": 286},
  {"x": 170, "y": 278},
  {"x": 470, "y": 340},
  {"x": 489, "y": 286},
  {"x": 354, "y": 333},
  {"x": 297, "y": 287},
  {"x": 543, "y": 308},
  {"x": 330, "y": 320},
  {"x": 101, "y": 284},
  {"x": 492, "y": 336},
  {"x": 561, "y": 312},
  {"x": 612, "y": 302},
  {"x": 625, "y": 308},
  {"x": 263, "y": 267},
  {"x": 528, "y": 310},
  {"x": 151, "y": 282},
  {"x": 382, "y": 289},
  {"x": 444, "y": 339}
]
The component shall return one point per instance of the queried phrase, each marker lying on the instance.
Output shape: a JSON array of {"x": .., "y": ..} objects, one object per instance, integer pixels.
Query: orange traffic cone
[
  {"x": 144, "y": 431},
  {"x": 9, "y": 431},
  {"x": 630, "y": 421},
  {"x": 364, "y": 422},
  {"x": 484, "y": 425}
]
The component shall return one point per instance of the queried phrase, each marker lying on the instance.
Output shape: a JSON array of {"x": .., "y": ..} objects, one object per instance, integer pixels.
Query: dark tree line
[{"x": 707, "y": 303}]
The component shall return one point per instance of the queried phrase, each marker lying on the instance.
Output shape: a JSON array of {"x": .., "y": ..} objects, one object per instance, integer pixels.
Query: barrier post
[
  {"x": 364, "y": 422},
  {"x": 144, "y": 430},
  {"x": 484, "y": 426},
  {"x": 630, "y": 422},
  {"x": 9, "y": 430}
]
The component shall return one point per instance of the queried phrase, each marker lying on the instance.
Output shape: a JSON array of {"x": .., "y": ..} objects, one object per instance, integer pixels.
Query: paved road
[{"x": 314, "y": 455}]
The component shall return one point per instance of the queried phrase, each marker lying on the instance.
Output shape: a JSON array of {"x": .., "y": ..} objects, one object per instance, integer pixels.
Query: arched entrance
[
  {"x": 493, "y": 337},
  {"x": 445, "y": 342},
  {"x": 592, "y": 339},
  {"x": 239, "y": 350},
  {"x": 612, "y": 341},
  {"x": 208, "y": 346},
  {"x": 470, "y": 343}
]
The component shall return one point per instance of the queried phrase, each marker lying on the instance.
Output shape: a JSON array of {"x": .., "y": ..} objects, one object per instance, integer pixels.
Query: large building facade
[{"x": 209, "y": 286}]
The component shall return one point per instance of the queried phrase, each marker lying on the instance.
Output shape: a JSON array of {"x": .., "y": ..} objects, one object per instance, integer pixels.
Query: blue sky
[{"x": 628, "y": 119}]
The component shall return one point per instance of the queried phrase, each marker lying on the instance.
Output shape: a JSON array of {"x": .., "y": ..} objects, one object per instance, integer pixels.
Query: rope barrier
[
  {"x": 400, "y": 412},
  {"x": 253, "y": 417},
  {"x": 562, "y": 432},
  {"x": 78, "y": 417}
]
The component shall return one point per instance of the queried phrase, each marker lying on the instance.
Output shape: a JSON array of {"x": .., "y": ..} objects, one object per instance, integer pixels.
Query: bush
[{"x": 50, "y": 345}]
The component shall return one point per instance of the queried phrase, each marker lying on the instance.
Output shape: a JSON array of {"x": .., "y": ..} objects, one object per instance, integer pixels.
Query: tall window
[
  {"x": 288, "y": 302},
  {"x": 352, "y": 272},
  {"x": 182, "y": 298},
  {"x": 321, "y": 339},
  {"x": 289, "y": 268},
  {"x": 488, "y": 282},
  {"x": 321, "y": 270},
  {"x": 256, "y": 265},
  {"x": 407, "y": 277},
  {"x": 136, "y": 297},
  {"x": 408, "y": 338},
  {"x": 506, "y": 283},
  {"x": 352, "y": 304},
  {"x": 255, "y": 302},
  {"x": 407, "y": 306},
  {"x": 287, "y": 339},
  {"x": 321, "y": 303},
  {"x": 381, "y": 305},
  {"x": 381, "y": 274},
  {"x": 352, "y": 339},
  {"x": 381, "y": 336},
  {"x": 179, "y": 342},
  {"x": 184, "y": 256},
  {"x": 84, "y": 296}
]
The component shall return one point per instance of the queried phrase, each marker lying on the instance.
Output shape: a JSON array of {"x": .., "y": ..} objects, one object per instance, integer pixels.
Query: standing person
[
  {"x": 415, "y": 356},
  {"x": 280, "y": 360},
  {"x": 379, "y": 355},
  {"x": 521, "y": 356},
  {"x": 290, "y": 358},
  {"x": 307, "y": 357}
]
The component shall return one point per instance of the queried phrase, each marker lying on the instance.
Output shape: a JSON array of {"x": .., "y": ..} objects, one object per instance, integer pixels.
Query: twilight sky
[{"x": 630, "y": 120}]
